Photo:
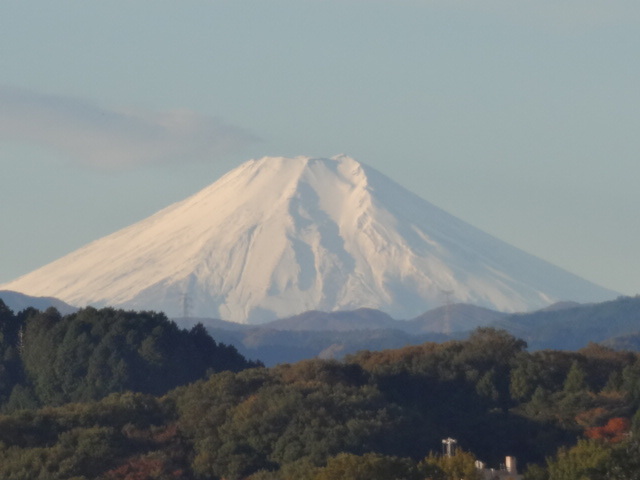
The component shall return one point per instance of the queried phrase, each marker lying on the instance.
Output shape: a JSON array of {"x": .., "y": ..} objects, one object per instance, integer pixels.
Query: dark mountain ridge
[
  {"x": 574, "y": 327},
  {"x": 17, "y": 301},
  {"x": 563, "y": 326}
]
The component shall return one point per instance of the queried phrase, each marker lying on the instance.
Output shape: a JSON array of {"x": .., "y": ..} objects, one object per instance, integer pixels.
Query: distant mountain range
[
  {"x": 18, "y": 301},
  {"x": 278, "y": 236},
  {"x": 574, "y": 326},
  {"x": 562, "y": 326}
]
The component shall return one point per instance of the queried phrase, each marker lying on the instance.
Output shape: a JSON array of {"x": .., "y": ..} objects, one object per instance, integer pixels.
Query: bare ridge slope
[{"x": 279, "y": 236}]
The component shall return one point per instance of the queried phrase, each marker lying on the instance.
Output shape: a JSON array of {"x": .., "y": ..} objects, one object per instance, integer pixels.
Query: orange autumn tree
[{"x": 614, "y": 431}]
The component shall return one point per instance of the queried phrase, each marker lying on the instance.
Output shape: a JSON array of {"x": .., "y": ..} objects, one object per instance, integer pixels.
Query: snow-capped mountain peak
[{"x": 278, "y": 236}]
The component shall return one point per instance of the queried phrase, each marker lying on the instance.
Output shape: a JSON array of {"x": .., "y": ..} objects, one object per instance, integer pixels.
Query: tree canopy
[{"x": 112, "y": 395}]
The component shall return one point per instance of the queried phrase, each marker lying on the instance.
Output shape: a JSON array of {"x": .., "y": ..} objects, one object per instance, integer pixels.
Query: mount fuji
[{"x": 279, "y": 236}]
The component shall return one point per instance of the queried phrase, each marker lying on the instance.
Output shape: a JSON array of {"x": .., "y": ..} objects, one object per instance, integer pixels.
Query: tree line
[
  {"x": 49, "y": 359},
  {"x": 108, "y": 394}
]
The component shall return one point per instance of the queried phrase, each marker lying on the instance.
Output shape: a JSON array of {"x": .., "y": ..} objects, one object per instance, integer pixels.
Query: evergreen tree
[{"x": 575, "y": 381}]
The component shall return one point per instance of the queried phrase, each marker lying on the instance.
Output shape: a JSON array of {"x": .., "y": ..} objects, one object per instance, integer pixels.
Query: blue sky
[{"x": 520, "y": 117}]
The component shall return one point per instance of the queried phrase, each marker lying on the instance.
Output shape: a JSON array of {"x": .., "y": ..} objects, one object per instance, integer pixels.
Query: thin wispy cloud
[{"x": 111, "y": 138}]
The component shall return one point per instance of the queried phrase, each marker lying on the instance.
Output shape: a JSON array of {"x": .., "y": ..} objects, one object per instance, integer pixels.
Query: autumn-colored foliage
[
  {"x": 371, "y": 415},
  {"x": 590, "y": 418},
  {"x": 613, "y": 431},
  {"x": 145, "y": 468}
]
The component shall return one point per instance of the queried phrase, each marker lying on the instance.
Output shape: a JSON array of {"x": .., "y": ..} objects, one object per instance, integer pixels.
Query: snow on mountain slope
[{"x": 279, "y": 236}]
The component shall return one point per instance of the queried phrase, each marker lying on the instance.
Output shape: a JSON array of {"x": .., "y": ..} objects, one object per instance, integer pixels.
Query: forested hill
[
  {"x": 49, "y": 359},
  {"x": 373, "y": 416}
]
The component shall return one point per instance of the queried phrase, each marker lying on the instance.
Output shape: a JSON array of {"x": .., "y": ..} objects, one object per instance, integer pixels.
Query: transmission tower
[
  {"x": 449, "y": 446},
  {"x": 186, "y": 305},
  {"x": 448, "y": 301}
]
